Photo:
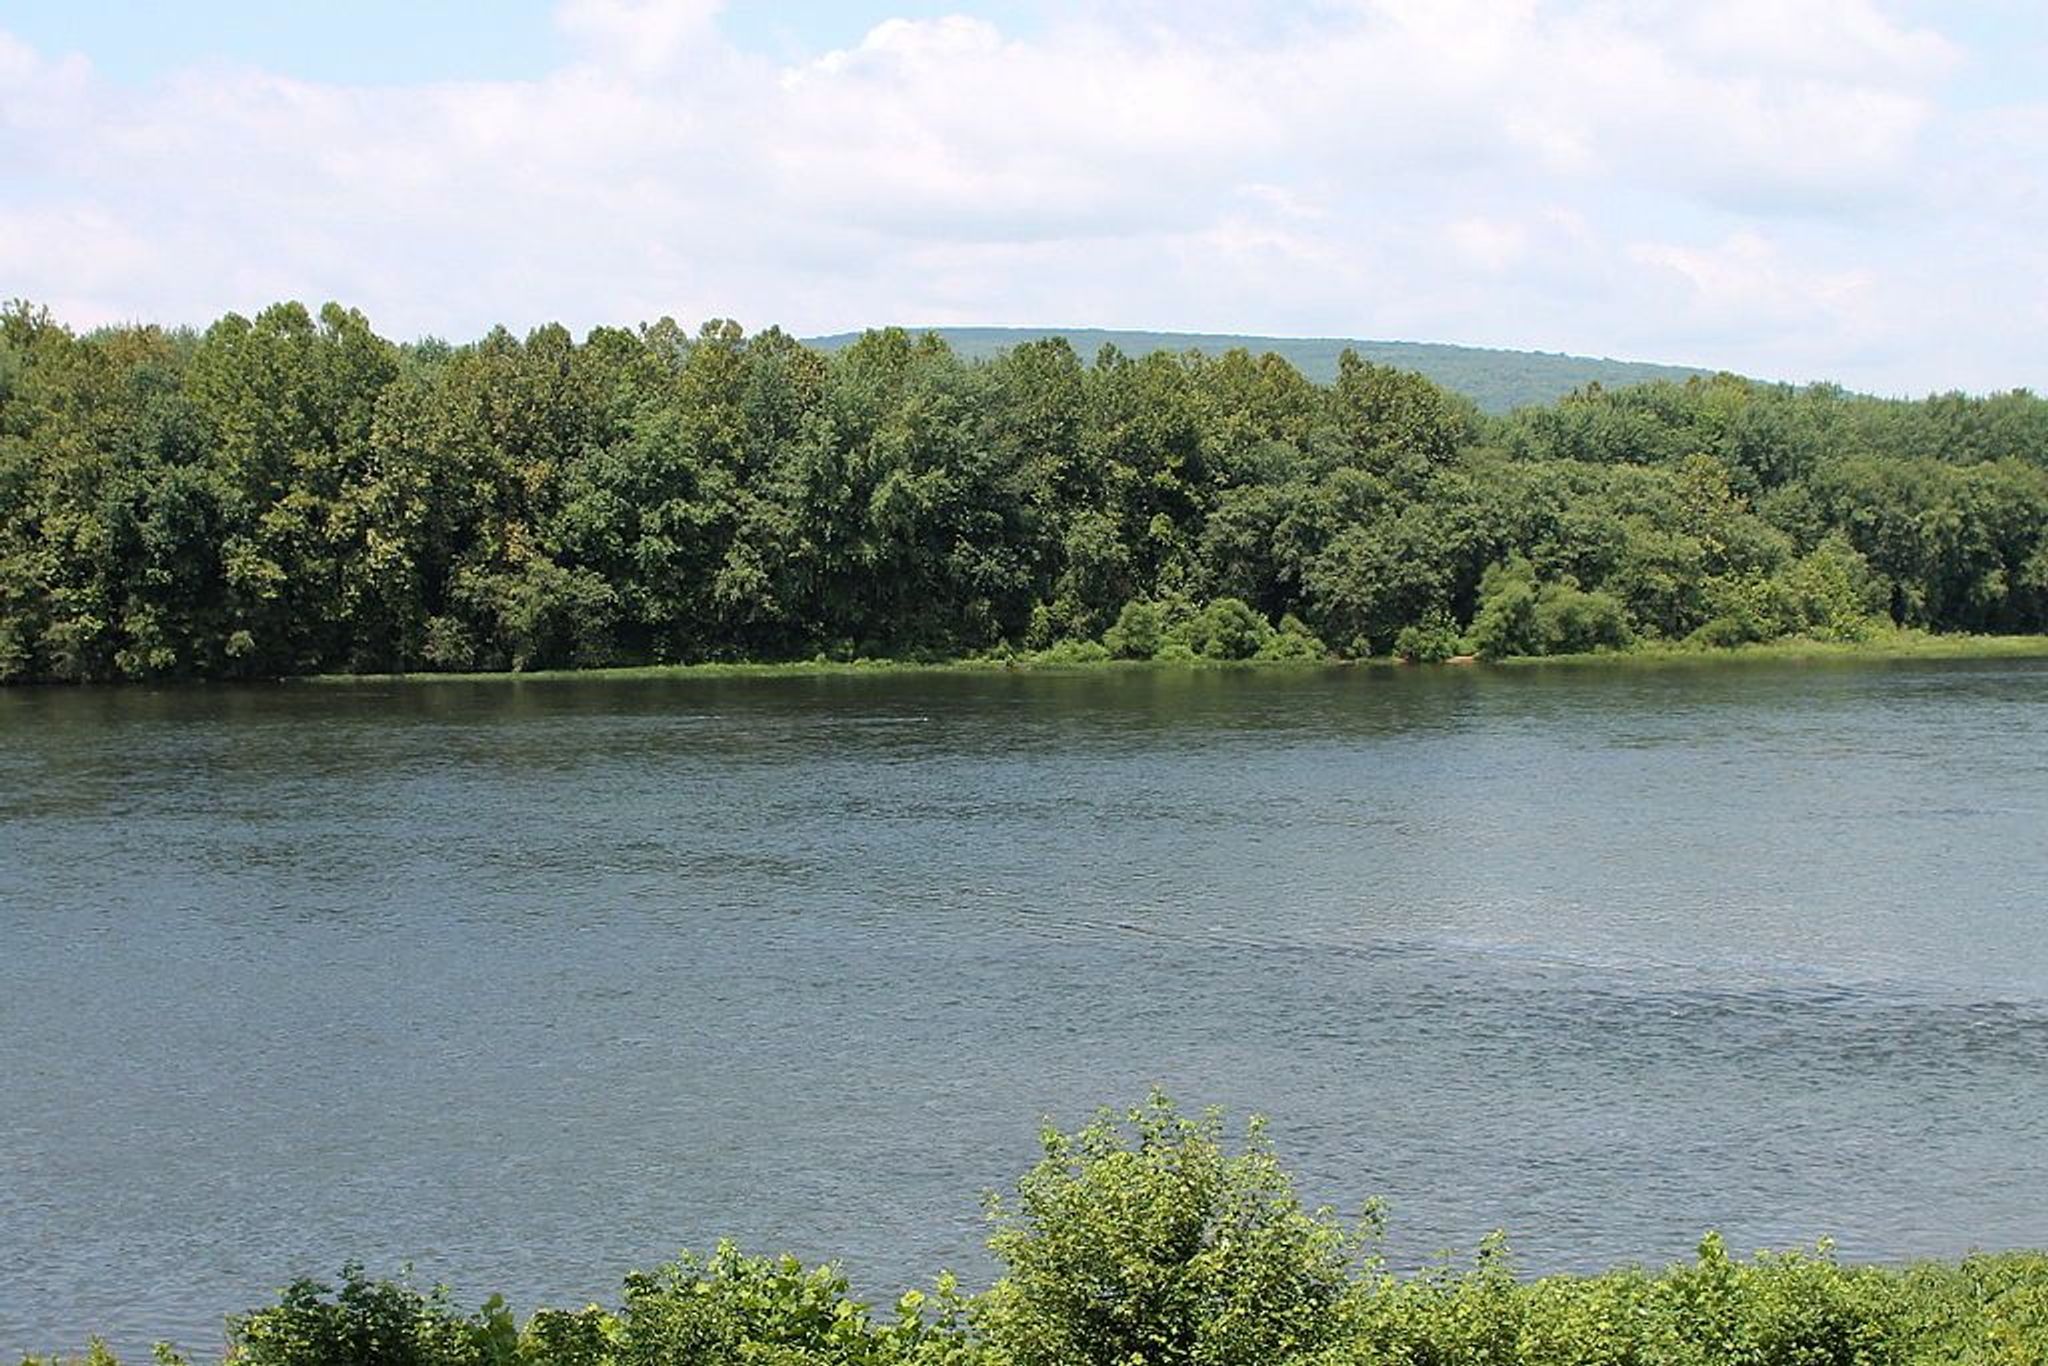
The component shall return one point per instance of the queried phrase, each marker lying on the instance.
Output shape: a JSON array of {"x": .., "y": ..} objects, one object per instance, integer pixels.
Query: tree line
[{"x": 294, "y": 494}]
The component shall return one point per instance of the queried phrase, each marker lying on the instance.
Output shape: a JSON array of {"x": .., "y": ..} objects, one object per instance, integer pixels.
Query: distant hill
[{"x": 1495, "y": 380}]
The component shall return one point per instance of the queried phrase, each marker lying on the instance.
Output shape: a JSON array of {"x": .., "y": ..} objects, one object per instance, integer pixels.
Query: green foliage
[
  {"x": 1432, "y": 640},
  {"x": 368, "y": 1323},
  {"x": 1790, "y": 1308},
  {"x": 1572, "y": 621},
  {"x": 1071, "y": 652},
  {"x": 291, "y": 494},
  {"x": 728, "y": 1309},
  {"x": 96, "y": 1354},
  {"x": 1786, "y": 1309},
  {"x": 1440, "y": 1315},
  {"x": 731, "y": 1308},
  {"x": 1226, "y": 628},
  {"x": 591, "y": 1336},
  {"x": 1986, "y": 1311},
  {"x": 1830, "y": 593},
  {"x": 1506, "y": 624},
  {"x": 1292, "y": 639},
  {"x": 1139, "y": 631},
  {"x": 1144, "y": 1240},
  {"x": 1519, "y": 616}
]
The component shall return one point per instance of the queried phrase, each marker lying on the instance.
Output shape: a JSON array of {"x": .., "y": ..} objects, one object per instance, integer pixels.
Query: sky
[{"x": 1849, "y": 190}]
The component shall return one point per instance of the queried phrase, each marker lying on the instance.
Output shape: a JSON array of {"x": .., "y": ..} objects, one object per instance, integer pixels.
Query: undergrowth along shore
[
  {"x": 1147, "y": 1239},
  {"x": 1889, "y": 645}
]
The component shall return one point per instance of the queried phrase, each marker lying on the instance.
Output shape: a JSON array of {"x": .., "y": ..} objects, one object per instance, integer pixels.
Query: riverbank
[{"x": 1890, "y": 645}]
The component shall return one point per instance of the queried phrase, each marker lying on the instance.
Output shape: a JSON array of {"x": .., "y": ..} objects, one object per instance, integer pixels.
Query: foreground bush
[
  {"x": 1143, "y": 1240},
  {"x": 1147, "y": 1241}
]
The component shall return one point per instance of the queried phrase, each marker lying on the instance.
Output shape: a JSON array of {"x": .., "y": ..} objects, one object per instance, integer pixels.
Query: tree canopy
[{"x": 293, "y": 493}]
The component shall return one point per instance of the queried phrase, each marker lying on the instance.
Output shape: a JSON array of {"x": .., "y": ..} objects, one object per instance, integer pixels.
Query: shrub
[
  {"x": 1293, "y": 640},
  {"x": 732, "y": 1308},
  {"x": 369, "y": 1323},
  {"x": 1071, "y": 652},
  {"x": 1227, "y": 628},
  {"x": 1441, "y": 1315},
  {"x": 1726, "y": 632},
  {"x": 1831, "y": 593},
  {"x": 558, "y": 1337},
  {"x": 1139, "y": 631},
  {"x": 1793, "y": 1308},
  {"x": 1506, "y": 622},
  {"x": 96, "y": 1354},
  {"x": 1144, "y": 1241},
  {"x": 1519, "y": 616},
  {"x": 1570, "y": 620},
  {"x": 723, "y": 1310},
  {"x": 1432, "y": 640},
  {"x": 1585, "y": 1320}
]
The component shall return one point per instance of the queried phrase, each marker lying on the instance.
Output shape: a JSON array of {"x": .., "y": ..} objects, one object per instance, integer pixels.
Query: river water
[{"x": 528, "y": 984}]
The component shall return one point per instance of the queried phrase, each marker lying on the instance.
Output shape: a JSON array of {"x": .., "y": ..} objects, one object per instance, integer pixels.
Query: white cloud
[
  {"x": 1849, "y": 39},
  {"x": 643, "y": 37},
  {"x": 1745, "y": 281},
  {"x": 1783, "y": 187},
  {"x": 1490, "y": 243}
]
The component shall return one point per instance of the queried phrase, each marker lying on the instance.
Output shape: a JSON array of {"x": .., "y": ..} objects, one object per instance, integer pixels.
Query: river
[{"x": 531, "y": 983}]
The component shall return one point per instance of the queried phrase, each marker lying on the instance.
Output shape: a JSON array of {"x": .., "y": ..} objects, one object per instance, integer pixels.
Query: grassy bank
[
  {"x": 1889, "y": 645},
  {"x": 1147, "y": 1239},
  {"x": 1907, "y": 645}
]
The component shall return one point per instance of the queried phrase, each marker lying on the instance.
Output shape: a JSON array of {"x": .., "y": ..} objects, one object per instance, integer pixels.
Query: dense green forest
[
  {"x": 1498, "y": 381},
  {"x": 293, "y": 494},
  {"x": 1148, "y": 1240}
]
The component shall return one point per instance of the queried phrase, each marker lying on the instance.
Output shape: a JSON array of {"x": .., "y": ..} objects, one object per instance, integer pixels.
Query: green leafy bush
[
  {"x": 1431, "y": 641},
  {"x": 1831, "y": 593},
  {"x": 1071, "y": 652},
  {"x": 1293, "y": 640},
  {"x": 1793, "y": 1308},
  {"x": 733, "y": 1308},
  {"x": 1506, "y": 623},
  {"x": 1227, "y": 628},
  {"x": 1520, "y": 616},
  {"x": 1139, "y": 631},
  {"x": 1986, "y": 1311},
  {"x": 560, "y": 1337},
  {"x": 370, "y": 1323},
  {"x": 1143, "y": 1240},
  {"x": 1572, "y": 621},
  {"x": 1439, "y": 1315},
  {"x": 96, "y": 1354}
]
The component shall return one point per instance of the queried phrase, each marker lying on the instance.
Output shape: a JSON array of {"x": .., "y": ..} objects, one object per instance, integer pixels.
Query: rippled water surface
[{"x": 531, "y": 983}]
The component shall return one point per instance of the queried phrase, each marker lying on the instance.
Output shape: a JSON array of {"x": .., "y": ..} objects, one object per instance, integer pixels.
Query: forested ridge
[
  {"x": 1498, "y": 381},
  {"x": 293, "y": 494}
]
